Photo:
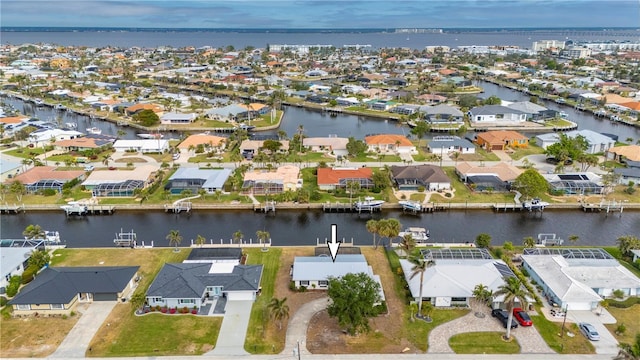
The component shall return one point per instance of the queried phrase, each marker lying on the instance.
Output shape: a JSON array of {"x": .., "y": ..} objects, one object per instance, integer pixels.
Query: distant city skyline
[{"x": 321, "y": 14}]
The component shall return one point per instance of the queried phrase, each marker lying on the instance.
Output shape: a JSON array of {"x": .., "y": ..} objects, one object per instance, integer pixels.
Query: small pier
[
  {"x": 125, "y": 239},
  {"x": 507, "y": 207},
  {"x": 269, "y": 206},
  {"x": 178, "y": 207},
  {"x": 337, "y": 207},
  {"x": 11, "y": 209},
  {"x": 607, "y": 206}
]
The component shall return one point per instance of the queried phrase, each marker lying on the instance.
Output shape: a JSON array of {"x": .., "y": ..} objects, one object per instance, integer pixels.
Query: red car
[{"x": 522, "y": 317}]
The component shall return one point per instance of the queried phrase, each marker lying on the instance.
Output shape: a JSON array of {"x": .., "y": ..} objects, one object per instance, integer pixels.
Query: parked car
[
  {"x": 589, "y": 331},
  {"x": 554, "y": 161},
  {"x": 522, "y": 317},
  {"x": 88, "y": 168},
  {"x": 503, "y": 316}
]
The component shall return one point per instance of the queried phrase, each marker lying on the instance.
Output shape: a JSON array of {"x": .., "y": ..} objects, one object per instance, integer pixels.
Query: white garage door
[
  {"x": 579, "y": 306},
  {"x": 240, "y": 295}
]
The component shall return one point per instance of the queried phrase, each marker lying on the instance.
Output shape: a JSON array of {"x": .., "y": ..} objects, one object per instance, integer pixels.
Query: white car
[
  {"x": 88, "y": 168},
  {"x": 589, "y": 331}
]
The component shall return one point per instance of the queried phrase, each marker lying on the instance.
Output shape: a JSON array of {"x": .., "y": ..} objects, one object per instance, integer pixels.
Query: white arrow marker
[{"x": 334, "y": 245}]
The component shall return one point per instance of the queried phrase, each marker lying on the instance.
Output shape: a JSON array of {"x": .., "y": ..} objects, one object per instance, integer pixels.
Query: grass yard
[
  {"x": 629, "y": 317},
  {"x": 483, "y": 343},
  {"x": 29, "y": 337},
  {"x": 519, "y": 153},
  {"x": 464, "y": 194},
  {"x": 550, "y": 332},
  {"x": 262, "y": 334}
]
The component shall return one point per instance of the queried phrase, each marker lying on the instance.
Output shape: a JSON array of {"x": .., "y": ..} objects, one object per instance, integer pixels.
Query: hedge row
[{"x": 625, "y": 303}]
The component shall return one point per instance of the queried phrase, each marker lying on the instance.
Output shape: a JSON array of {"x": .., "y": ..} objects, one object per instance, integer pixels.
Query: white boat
[
  {"x": 150, "y": 136},
  {"x": 38, "y": 102},
  {"x": 535, "y": 204},
  {"x": 368, "y": 204},
  {"x": 420, "y": 235},
  {"x": 60, "y": 107},
  {"x": 71, "y": 126},
  {"x": 94, "y": 130},
  {"x": 75, "y": 208},
  {"x": 410, "y": 205}
]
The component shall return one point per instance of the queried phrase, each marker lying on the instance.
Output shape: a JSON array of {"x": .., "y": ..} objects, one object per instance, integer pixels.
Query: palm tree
[
  {"x": 200, "y": 240},
  {"x": 629, "y": 351},
  {"x": 262, "y": 237},
  {"x": 529, "y": 242},
  {"x": 512, "y": 290},
  {"x": 174, "y": 238},
  {"x": 33, "y": 232},
  {"x": 237, "y": 236},
  {"x": 279, "y": 310},
  {"x": 407, "y": 244},
  {"x": 372, "y": 228},
  {"x": 420, "y": 265}
]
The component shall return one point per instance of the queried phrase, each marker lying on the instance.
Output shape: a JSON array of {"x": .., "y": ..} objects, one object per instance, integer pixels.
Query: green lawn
[
  {"x": 259, "y": 340},
  {"x": 158, "y": 335},
  {"x": 529, "y": 150},
  {"x": 550, "y": 332},
  {"x": 483, "y": 343},
  {"x": 629, "y": 317},
  {"x": 464, "y": 194}
]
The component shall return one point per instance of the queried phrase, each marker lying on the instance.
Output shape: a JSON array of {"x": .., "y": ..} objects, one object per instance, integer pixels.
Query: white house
[
  {"x": 496, "y": 114},
  {"x": 143, "y": 145},
  {"x": 448, "y": 144},
  {"x": 44, "y": 137},
  {"x": 335, "y": 145},
  {"x": 13, "y": 261},
  {"x": 177, "y": 118},
  {"x": 597, "y": 142}
]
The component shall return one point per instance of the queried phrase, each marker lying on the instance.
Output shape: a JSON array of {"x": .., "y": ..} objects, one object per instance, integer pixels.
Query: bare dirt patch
[
  {"x": 32, "y": 336},
  {"x": 387, "y": 335}
]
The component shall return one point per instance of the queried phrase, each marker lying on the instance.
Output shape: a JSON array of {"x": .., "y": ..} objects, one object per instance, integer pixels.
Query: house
[
  {"x": 496, "y": 177},
  {"x": 578, "y": 279},
  {"x": 57, "y": 290},
  {"x": 597, "y": 143},
  {"x": 177, "y": 118},
  {"x": 195, "y": 284},
  {"x": 575, "y": 183},
  {"x": 13, "y": 262},
  {"x": 333, "y": 178},
  {"x": 117, "y": 183},
  {"x": 448, "y": 144},
  {"x": 335, "y": 145},
  {"x": 40, "y": 178},
  {"x": 501, "y": 140},
  {"x": 249, "y": 148},
  {"x": 87, "y": 142},
  {"x": 456, "y": 273},
  {"x": 390, "y": 143},
  {"x": 285, "y": 178},
  {"x": 313, "y": 272},
  {"x": 429, "y": 177},
  {"x": 205, "y": 140},
  {"x": 496, "y": 114},
  {"x": 136, "y": 108},
  {"x": 533, "y": 111},
  {"x": 624, "y": 153},
  {"x": 442, "y": 113},
  {"x": 629, "y": 173},
  {"x": 142, "y": 145},
  {"x": 194, "y": 179},
  {"x": 45, "y": 137}
]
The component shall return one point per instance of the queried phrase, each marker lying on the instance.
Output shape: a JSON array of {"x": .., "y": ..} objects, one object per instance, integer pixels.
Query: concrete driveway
[
  {"x": 607, "y": 343},
  {"x": 77, "y": 341},
  {"x": 233, "y": 331}
]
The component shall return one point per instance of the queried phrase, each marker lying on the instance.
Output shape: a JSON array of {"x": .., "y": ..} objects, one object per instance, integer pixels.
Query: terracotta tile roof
[
  {"x": 503, "y": 170},
  {"x": 386, "y": 139},
  {"x": 81, "y": 142},
  {"x": 38, "y": 173},
  {"x": 137, "y": 107},
  {"x": 330, "y": 176},
  {"x": 633, "y": 105},
  {"x": 499, "y": 136},
  {"x": 13, "y": 119},
  {"x": 205, "y": 139}
]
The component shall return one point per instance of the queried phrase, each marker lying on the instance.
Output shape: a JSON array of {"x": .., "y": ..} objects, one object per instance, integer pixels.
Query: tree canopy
[
  {"x": 568, "y": 148},
  {"x": 146, "y": 118},
  {"x": 356, "y": 147},
  {"x": 354, "y": 299},
  {"x": 530, "y": 184},
  {"x": 483, "y": 240}
]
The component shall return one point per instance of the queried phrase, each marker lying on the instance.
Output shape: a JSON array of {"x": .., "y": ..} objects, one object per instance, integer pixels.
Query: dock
[
  {"x": 337, "y": 207},
  {"x": 74, "y": 208},
  {"x": 11, "y": 209},
  {"x": 178, "y": 207},
  {"x": 608, "y": 206},
  {"x": 507, "y": 207},
  {"x": 269, "y": 206}
]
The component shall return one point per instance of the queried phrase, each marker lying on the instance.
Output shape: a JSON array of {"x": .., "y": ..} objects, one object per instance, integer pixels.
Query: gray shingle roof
[
  {"x": 426, "y": 173},
  {"x": 60, "y": 284},
  {"x": 189, "y": 280}
]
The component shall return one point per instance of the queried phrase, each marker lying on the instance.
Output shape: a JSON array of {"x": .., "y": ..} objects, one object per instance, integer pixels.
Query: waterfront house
[
  {"x": 495, "y": 177},
  {"x": 313, "y": 272},
  {"x": 118, "y": 183},
  {"x": 177, "y": 118},
  {"x": 263, "y": 182},
  {"x": 13, "y": 261},
  {"x": 332, "y": 145},
  {"x": 413, "y": 177},
  {"x": 597, "y": 143},
  {"x": 136, "y": 108},
  {"x": 442, "y": 113},
  {"x": 13, "y": 124},
  {"x": 194, "y": 179},
  {"x": 249, "y": 148},
  {"x": 57, "y": 290},
  {"x": 578, "y": 279},
  {"x": 449, "y": 144},
  {"x": 333, "y": 178},
  {"x": 41, "y": 178},
  {"x": 206, "y": 141},
  {"x": 456, "y": 273},
  {"x": 205, "y": 277},
  {"x": 575, "y": 183},
  {"x": 46, "y": 137},
  {"x": 501, "y": 140},
  {"x": 496, "y": 114},
  {"x": 533, "y": 111},
  {"x": 390, "y": 143},
  {"x": 624, "y": 153},
  {"x": 87, "y": 142}
]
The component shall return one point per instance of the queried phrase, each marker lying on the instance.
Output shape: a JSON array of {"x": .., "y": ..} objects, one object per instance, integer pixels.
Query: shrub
[
  {"x": 3, "y": 301},
  {"x": 302, "y": 289},
  {"x": 629, "y": 302},
  {"x": 28, "y": 274},
  {"x": 292, "y": 285},
  {"x": 618, "y": 294},
  {"x": 498, "y": 252},
  {"x": 621, "y": 329},
  {"x": 64, "y": 317},
  {"x": 14, "y": 285}
]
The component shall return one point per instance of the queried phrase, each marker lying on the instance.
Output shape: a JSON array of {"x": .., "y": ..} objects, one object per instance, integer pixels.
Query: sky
[{"x": 328, "y": 14}]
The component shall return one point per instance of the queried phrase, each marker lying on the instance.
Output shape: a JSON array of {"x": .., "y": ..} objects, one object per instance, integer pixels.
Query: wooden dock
[
  {"x": 179, "y": 207},
  {"x": 11, "y": 209},
  {"x": 269, "y": 206},
  {"x": 507, "y": 207},
  {"x": 337, "y": 207}
]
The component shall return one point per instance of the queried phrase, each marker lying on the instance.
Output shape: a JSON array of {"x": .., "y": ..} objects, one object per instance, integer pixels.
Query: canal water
[{"x": 304, "y": 227}]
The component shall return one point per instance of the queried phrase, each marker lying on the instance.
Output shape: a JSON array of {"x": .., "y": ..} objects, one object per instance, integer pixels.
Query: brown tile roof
[
  {"x": 503, "y": 170},
  {"x": 634, "y": 105},
  {"x": 81, "y": 142},
  {"x": 13, "y": 119},
  {"x": 330, "y": 176},
  {"x": 499, "y": 136},
  {"x": 204, "y": 139},
  {"x": 385, "y": 139},
  {"x": 38, "y": 173},
  {"x": 137, "y": 107},
  {"x": 631, "y": 152}
]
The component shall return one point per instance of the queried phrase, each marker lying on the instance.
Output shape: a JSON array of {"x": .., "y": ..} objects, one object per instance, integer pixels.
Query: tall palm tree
[
  {"x": 174, "y": 238},
  {"x": 529, "y": 242},
  {"x": 279, "y": 310},
  {"x": 262, "y": 237},
  {"x": 512, "y": 290},
  {"x": 237, "y": 236},
  {"x": 372, "y": 228},
  {"x": 200, "y": 240},
  {"x": 420, "y": 265},
  {"x": 33, "y": 232},
  {"x": 407, "y": 244}
]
